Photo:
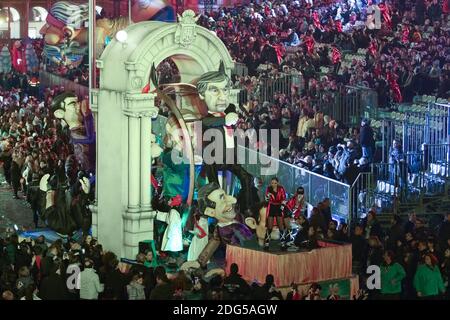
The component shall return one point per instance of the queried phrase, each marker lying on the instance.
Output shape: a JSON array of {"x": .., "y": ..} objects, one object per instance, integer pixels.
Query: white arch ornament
[{"x": 122, "y": 215}]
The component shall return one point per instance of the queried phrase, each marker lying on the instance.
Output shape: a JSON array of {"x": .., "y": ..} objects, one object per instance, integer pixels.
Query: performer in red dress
[{"x": 276, "y": 198}]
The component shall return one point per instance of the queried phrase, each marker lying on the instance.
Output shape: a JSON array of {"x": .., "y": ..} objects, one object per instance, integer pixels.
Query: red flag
[
  {"x": 386, "y": 14},
  {"x": 316, "y": 20},
  {"x": 335, "y": 55},
  {"x": 397, "y": 94},
  {"x": 309, "y": 42},
  {"x": 405, "y": 34},
  {"x": 338, "y": 25}
]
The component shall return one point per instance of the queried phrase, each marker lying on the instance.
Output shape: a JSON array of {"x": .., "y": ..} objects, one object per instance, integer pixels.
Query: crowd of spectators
[
  {"x": 32, "y": 141},
  {"x": 332, "y": 46},
  {"x": 410, "y": 46},
  {"x": 414, "y": 260}
]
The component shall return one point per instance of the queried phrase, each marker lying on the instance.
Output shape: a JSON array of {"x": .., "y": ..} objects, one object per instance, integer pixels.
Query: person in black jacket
[
  {"x": 269, "y": 53},
  {"x": 235, "y": 285},
  {"x": 372, "y": 226},
  {"x": 302, "y": 233},
  {"x": 114, "y": 280},
  {"x": 366, "y": 140},
  {"x": 396, "y": 233},
  {"x": 269, "y": 290},
  {"x": 420, "y": 12},
  {"x": 53, "y": 287},
  {"x": 359, "y": 250},
  {"x": 444, "y": 232},
  {"x": 164, "y": 289},
  {"x": 434, "y": 11}
]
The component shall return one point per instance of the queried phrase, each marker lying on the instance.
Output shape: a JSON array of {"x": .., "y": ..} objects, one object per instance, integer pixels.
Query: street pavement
[{"x": 13, "y": 211}]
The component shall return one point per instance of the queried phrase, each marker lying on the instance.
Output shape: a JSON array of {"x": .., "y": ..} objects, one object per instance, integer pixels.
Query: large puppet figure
[
  {"x": 66, "y": 201},
  {"x": 215, "y": 203},
  {"x": 66, "y": 35},
  {"x": 80, "y": 121},
  {"x": 208, "y": 105}
]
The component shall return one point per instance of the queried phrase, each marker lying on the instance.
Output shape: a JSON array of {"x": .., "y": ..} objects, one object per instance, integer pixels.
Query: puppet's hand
[
  {"x": 85, "y": 185},
  {"x": 190, "y": 265},
  {"x": 231, "y": 119},
  {"x": 43, "y": 184}
]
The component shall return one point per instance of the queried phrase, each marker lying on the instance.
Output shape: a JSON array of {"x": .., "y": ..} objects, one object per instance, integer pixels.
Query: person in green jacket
[
  {"x": 392, "y": 274},
  {"x": 428, "y": 279}
]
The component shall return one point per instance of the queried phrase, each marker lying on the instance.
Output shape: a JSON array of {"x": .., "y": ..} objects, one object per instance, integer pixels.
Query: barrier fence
[
  {"x": 348, "y": 104},
  {"x": 268, "y": 87},
  {"x": 414, "y": 127},
  {"x": 317, "y": 187},
  {"x": 50, "y": 80},
  {"x": 361, "y": 195}
]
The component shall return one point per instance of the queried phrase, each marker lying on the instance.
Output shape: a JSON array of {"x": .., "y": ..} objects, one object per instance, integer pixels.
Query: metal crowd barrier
[
  {"x": 317, "y": 187},
  {"x": 348, "y": 104},
  {"x": 240, "y": 69},
  {"x": 282, "y": 84},
  {"x": 414, "y": 125},
  {"x": 362, "y": 195}
]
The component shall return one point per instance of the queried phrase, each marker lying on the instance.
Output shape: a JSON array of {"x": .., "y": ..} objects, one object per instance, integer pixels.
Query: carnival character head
[
  {"x": 214, "y": 89},
  {"x": 67, "y": 107},
  {"x": 65, "y": 26},
  {"x": 215, "y": 203}
]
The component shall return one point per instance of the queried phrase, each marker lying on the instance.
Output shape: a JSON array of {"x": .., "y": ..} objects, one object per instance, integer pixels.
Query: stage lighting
[
  {"x": 15, "y": 227},
  {"x": 122, "y": 36}
]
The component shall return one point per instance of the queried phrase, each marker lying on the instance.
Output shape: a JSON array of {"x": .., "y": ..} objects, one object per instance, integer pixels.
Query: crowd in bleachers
[{"x": 333, "y": 45}]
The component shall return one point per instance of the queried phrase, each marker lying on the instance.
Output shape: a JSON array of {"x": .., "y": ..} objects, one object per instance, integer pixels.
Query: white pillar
[
  {"x": 146, "y": 131},
  {"x": 134, "y": 162},
  {"x": 138, "y": 216},
  {"x": 94, "y": 207}
]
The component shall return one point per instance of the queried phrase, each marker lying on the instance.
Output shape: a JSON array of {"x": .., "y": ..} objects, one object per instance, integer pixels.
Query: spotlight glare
[{"x": 122, "y": 36}]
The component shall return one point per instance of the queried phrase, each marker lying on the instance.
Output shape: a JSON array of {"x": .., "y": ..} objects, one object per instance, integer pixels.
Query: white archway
[
  {"x": 38, "y": 16},
  {"x": 152, "y": 42},
  {"x": 14, "y": 17},
  {"x": 123, "y": 215}
]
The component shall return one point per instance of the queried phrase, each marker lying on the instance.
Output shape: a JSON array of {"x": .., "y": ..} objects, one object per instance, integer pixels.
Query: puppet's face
[
  {"x": 52, "y": 35},
  {"x": 216, "y": 96},
  {"x": 224, "y": 206},
  {"x": 71, "y": 112}
]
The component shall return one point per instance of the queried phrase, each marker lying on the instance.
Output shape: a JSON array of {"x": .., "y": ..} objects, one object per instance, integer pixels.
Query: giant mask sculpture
[{"x": 78, "y": 117}]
